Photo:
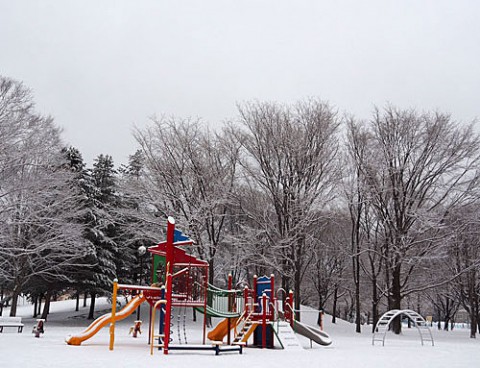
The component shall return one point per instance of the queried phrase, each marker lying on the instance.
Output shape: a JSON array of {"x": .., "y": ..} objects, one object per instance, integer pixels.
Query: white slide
[
  {"x": 286, "y": 336},
  {"x": 314, "y": 334}
]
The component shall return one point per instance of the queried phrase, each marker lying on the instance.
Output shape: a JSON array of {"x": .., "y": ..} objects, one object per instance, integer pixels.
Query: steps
[
  {"x": 286, "y": 336},
  {"x": 246, "y": 329}
]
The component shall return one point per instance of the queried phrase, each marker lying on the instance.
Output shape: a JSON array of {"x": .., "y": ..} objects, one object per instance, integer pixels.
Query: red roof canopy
[{"x": 179, "y": 255}]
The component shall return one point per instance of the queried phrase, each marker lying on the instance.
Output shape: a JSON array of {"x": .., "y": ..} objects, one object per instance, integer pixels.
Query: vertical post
[
  {"x": 114, "y": 311},
  {"x": 245, "y": 303},
  {"x": 264, "y": 320},
  {"x": 169, "y": 263},
  {"x": 205, "y": 303},
  {"x": 168, "y": 311},
  {"x": 169, "y": 243},
  {"x": 230, "y": 305},
  {"x": 290, "y": 304},
  {"x": 161, "y": 328},
  {"x": 230, "y": 285},
  {"x": 1, "y": 298},
  {"x": 255, "y": 299},
  {"x": 150, "y": 323},
  {"x": 272, "y": 296},
  {"x": 141, "y": 253}
]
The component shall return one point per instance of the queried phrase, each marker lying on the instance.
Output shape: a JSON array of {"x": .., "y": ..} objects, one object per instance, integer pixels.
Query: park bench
[{"x": 11, "y": 322}]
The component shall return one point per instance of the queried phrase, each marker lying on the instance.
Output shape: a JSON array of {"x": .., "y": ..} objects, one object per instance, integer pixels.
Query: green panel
[
  {"x": 158, "y": 268},
  {"x": 217, "y": 313}
]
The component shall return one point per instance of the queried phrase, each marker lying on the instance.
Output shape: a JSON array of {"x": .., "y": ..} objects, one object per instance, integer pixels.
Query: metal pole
[
  {"x": 264, "y": 320},
  {"x": 114, "y": 310}
]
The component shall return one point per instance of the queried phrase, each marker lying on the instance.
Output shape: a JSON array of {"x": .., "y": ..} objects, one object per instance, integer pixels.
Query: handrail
[{"x": 152, "y": 326}]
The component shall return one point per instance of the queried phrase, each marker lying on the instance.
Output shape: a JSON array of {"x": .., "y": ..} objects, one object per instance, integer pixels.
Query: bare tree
[
  {"x": 291, "y": 157},
  {"x": 417, "y": 168},
  {"x": 465, "y": 261},
  {"x": 38, "y": 238},
  {"x": 329, "y": 258},
  {"x": 191, "y": 174}
]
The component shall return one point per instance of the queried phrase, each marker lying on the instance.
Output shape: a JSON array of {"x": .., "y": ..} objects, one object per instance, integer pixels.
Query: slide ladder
[
  {"x": 385, "y": 320},
  {"x": 245, "y": 331}
]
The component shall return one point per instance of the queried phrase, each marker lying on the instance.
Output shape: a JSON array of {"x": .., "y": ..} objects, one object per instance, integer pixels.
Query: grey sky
[{"x": 99, "y": 67}]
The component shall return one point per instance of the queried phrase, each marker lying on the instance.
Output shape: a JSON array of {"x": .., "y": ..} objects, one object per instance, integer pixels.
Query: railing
[{"x": 152, "y": 328}]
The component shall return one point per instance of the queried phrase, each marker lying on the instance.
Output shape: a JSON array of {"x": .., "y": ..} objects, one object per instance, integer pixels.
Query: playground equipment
[
  {"x": 39, "y": 327},
  {"x": 136, "y": 329},
  {"x": 179, "y": 280},
  {"x": 262, "y": 315},
  {"x": 104, "y": 320},
  {"x": 383, "y": 325}
]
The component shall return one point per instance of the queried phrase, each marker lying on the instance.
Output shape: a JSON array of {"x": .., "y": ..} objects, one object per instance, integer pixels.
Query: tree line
[{"x": 357, "y": 217}]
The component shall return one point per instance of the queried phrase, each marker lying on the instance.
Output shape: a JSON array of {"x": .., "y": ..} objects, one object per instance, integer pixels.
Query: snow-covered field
[{"x": 452, "y": 349}]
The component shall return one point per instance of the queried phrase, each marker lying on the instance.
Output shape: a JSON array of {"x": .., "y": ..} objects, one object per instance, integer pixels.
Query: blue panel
[{"x": 178, "y": 236}]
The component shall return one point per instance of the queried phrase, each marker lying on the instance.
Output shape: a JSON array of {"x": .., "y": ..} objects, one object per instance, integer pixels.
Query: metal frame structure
[{"x": 383, "y": 325}]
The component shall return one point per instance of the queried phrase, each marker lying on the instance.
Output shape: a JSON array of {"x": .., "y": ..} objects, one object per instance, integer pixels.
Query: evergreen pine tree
[{"x": 102, "y": 227}]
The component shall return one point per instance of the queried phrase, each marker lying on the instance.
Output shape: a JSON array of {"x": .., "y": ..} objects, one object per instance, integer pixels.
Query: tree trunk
[
  {"x": 374, "y": 304},
  {"x": 334, "y": 307},
  {"x": 77, "y": 304},
  {"x": 91, "y": 312},
  {"x": 13, "y": 309},
  {"x": 358, "y": 328},
  {"x": 1, "y": 301},
  {"x": 473, "y": 326},
  {"x": 39, "y": 305},
  {"x": 297, "y": 294},
  {"x": 85, "y": 299},
  {"x": 35, "y": 305},
  {"x": 446, "y": 321},
  {"x": 396, "y": 298},
  {"x": 320, "y": 311},
  {"x": 46, "y": 305},
  {"x": 210, "y": 271}
]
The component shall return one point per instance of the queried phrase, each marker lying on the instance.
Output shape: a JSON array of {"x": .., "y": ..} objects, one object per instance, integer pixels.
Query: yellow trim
[
  {"x": 152, "y": 327},
  {"x": 114, "y": 311}
]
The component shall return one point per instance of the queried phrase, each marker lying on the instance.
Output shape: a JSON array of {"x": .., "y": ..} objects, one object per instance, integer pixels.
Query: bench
[
  {"x": 216, "y": 346},
  {"x": 11, "y": 322}
]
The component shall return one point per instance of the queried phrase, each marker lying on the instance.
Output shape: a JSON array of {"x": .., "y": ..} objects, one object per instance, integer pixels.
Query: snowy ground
[{"x": 452, "y": 349}]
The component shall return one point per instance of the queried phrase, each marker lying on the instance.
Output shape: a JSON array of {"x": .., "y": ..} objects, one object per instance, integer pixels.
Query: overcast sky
[{"x": 100, "y": 67}]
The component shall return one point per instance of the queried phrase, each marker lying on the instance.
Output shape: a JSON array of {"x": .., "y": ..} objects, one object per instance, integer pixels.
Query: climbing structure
[
  {"x": 185, "y": 279},
  {"x": 386, "y": 319},
  {"x": 180, "y": 280}
]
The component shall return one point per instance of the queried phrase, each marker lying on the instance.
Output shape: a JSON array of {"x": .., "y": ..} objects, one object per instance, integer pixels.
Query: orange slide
[
  {"x": 221, "y": 329},
  {"x": 104, "y": 320}
]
